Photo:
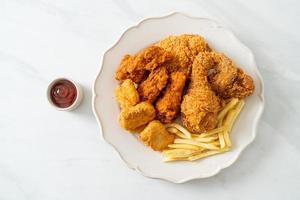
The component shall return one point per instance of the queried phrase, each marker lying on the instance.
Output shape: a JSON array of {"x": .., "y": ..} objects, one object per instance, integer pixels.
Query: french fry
[
  {"x": 176, "y": 132},
  {"x": 222, "y": 140},
  {"x": 190, "y": 147},
  {"x": 180, "y": 128},
  {"x": 180, "y": 153},
  {"x": 220, "y": 123},
  {"x": 227, "y": 139},
  {"x": 196, "y": 143},
  {"x": 169, "y": 159},
  {"x": 227, "y": 107},
  {"x": 212, "y": 132},
  {"x": 221, "y": 133},
  {"x": 184, "y": 146},
  {"x": 206, "y": 139},
  {"x": 232, "y": 115},
  {"x": 215, "y": 143},
  {"x": 206, "y": 154}
]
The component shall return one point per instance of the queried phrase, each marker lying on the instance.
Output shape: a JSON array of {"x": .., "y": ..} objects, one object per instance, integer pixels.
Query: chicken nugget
[
  {"x": 156, "y": 136},
  {"x": 134, "y": 117},
  {"x": 127, "y": 94}
]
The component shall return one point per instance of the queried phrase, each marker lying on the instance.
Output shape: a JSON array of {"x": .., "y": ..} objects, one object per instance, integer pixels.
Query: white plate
[{"x": 133, "y": 152}]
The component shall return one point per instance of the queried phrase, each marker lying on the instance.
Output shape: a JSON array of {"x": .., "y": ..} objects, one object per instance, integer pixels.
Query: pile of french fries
[{"x": 190, "y": 147}]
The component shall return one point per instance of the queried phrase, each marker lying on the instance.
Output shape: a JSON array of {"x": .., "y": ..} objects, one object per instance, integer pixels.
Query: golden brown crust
[
  {"x": 150, "y": 88},
  {"x": 242, "y": 87},
  {"x": 200, "y": 105},
  {"x": 227, "y": 80},
  {"x": 136, "y": 67},
  {"x": 184, "y": 49},
  {"x": 134, "y": 117},
  {"x": 168, "y": 106},
  {"x": 156, "y": 136},
  {"x": 126, "y": 94},
  {"x": 131, "y": 67},
  {"x": 161, "y": 71}
]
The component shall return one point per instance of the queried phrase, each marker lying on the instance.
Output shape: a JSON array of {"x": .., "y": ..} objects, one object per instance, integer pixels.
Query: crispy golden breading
[
  {"x": 150, "y": 88},
  {"x": 200, "y": 105},
  {"x": 131, "y": 67},
  {"x": 242, "y": 87},
  {"x": 184, "y": 49},
  {"x": 156, "y": 136},
  {"x": 126, "y": 94},
  {"x": 227, "y": 80},
  {"x": 136, "y": 116},
  {"x": 136, "y": 67},
  {"x": 168, "y": 106},
  {"x": 160, "y": 73}
]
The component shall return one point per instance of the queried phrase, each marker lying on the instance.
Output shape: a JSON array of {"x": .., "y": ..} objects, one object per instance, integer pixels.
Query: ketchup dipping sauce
[{"x": 64, "y": 94}]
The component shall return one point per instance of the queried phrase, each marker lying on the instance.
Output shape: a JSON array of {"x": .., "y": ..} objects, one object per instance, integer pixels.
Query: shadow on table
[{"x": 85, "y": 108}]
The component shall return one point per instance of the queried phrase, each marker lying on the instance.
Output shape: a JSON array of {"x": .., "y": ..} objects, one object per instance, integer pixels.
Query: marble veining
[{"x": 46, "y": 154}]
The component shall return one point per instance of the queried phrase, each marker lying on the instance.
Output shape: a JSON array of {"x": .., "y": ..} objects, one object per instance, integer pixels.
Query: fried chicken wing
[
  {"x": 150, "y": 88},
  {"x": 200, "y": 105},
  {"x": 126, "y": 94},
  {"x": 135, "y": 67},
  {"x": 242, "y": 86},
  {"x": 131, "y": 67},
  {"x": 184, "y": 49},
  {"x": 168, "y": 106},
  {"x": 227, "y": 80},
  {"x": 136, "y": 116},
  {"x": 156, "y": 136}
]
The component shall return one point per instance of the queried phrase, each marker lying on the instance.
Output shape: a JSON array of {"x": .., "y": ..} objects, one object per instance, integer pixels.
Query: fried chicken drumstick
[{"x": 200, "y": 105}]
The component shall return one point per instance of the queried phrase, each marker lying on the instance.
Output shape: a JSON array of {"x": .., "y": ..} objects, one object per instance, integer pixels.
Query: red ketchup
[{"x": 63, "y": 93}]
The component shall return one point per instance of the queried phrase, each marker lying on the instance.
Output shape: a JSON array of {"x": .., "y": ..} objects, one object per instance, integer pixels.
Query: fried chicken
[
  {"x": 168, "y": 106},
  {"x": 184, "y": 49},
  {"x": 134, "y": 117},
  {"x": 227, "y": 80},
  {"x": 161, "y": 72},
  {"x": 150, "y": 88},
  {"x": 135, "y": 67},
  {"x": 200, "y": 105},
  {"x": 242, "y": 86},
  {"x": 156, "y": 136},
  {"x": 126, "y": 94}
]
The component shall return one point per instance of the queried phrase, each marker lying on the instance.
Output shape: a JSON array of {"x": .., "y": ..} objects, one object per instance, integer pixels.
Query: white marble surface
[{"x": 46, "y": 154}]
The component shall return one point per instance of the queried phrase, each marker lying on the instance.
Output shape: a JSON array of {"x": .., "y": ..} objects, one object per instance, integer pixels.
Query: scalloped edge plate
[{"x": 133, "y": 152}]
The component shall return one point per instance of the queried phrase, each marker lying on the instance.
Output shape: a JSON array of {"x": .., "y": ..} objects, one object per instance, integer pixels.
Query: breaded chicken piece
[
  {"x": 126, "y": 94},
  {"x": 131, "y": 67},
  {"x": 150, "y": 88},
  {"x": 136, "y": 116},
  {"x": 135, "y": 67},
  {"x": 242, "y": 86},
  {"x": 156, "y": 136},
  {"x": 184, "y": 49},
  {"x": 200, "y": 105},
  {"x": 168, "y": 106},
  {"x": 227, "y": 80}
]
